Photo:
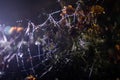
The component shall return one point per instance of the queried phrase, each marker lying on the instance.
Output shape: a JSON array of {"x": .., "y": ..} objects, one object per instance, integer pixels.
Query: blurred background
[{"x": 11, "y": 11}]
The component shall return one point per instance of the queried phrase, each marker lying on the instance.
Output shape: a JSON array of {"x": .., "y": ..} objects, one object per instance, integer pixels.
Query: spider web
[{"x": 34, "y": 52}]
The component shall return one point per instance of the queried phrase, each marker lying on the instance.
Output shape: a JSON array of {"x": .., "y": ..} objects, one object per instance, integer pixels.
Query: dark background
[
  {"x": 14, "y": 10},
  {"x": 11, "y": 11},
  {"x": 35, "y": 10}
]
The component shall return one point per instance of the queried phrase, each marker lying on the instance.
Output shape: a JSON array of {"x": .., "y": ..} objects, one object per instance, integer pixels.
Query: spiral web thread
[
  {"x": 46, "y": 55},
  {"x": 50, "y": 18}
]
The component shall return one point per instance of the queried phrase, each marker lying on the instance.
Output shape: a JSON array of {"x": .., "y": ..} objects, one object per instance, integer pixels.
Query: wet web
[{"x": 34, "y": 52}]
